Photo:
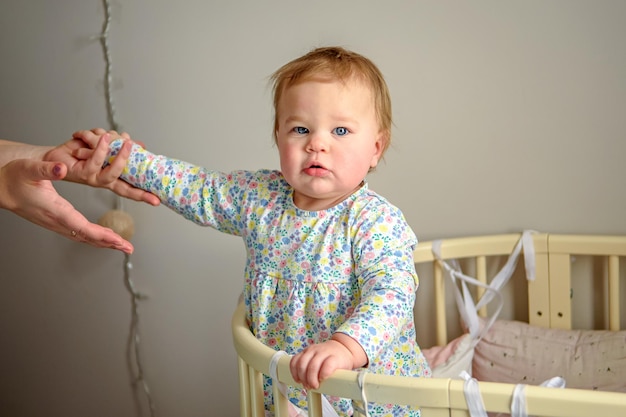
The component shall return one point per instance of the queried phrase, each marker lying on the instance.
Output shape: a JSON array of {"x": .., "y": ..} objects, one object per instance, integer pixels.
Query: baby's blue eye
[
  {"x": 340, "y": 131},
  {"x": 301, "y": 130}
]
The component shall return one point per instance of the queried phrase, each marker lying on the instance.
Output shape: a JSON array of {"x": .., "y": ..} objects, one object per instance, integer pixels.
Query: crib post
[
  {"x": 560, "y": 300},
  {"x": 539, "y": 289},
  {"x": 481, "y": 276}
]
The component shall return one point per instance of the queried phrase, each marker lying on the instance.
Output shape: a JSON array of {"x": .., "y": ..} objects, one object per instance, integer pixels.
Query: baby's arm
[
  {"x": 387, "y": 281},
  {"x": 206, "y": 197},
  {"x": 317, "y": 362},
  {"x": 385, "y": 270}
]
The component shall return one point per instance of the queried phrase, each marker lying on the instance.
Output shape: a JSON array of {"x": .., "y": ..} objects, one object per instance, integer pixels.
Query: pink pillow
[
  {"x": 437, "y": 355},
  {"x": 450, "y": 360},
  {"x": 518, "y": 353}
]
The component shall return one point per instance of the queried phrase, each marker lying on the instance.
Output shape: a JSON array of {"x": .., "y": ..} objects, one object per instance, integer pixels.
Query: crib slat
[
  {"x": 256, "y": 392},
  {"x": 481, "y": 276},
  {"x": 314, "y": 400},
  {"x": 613, "y": 273},
  {"x": 281, "y": 403},
  {"x": 244, "y": 389},
  {"x": 440, "y": 305}
]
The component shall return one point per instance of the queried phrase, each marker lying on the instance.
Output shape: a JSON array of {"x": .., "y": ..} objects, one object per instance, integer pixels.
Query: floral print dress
[{"x": 308, "y": 274}]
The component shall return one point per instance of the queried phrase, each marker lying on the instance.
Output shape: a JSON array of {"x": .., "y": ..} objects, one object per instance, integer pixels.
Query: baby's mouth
[{"x": 316, "y": 170}]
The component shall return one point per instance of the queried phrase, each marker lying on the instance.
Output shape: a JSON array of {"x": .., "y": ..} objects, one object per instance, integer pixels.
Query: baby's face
[{"x": 328, "y": 138}]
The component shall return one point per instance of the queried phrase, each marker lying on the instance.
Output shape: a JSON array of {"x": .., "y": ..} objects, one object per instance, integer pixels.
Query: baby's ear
[{"x": 381, "y": 144}]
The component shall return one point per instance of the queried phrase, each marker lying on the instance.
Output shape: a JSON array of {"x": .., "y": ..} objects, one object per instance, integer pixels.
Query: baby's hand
[
  {"x": 317, "y": 362},
  {"x": 85, "y": 155},
  {"x": 92, "y": 138}
]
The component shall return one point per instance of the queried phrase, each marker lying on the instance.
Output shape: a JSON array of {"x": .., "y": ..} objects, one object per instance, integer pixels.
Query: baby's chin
[{"x": 317, "y": 201}]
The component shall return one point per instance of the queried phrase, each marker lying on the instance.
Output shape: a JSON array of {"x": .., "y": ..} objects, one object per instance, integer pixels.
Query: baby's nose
[{"x": 317, "y": 143}]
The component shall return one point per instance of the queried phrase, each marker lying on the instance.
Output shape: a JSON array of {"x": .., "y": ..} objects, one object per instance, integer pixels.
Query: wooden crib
[{"x": 548, "y": 303}]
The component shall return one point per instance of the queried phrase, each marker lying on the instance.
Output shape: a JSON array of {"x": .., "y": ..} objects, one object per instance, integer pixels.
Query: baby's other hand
[{"x": 317, "y": 362}]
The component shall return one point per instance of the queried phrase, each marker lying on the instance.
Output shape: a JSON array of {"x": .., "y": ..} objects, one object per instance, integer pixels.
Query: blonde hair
[{"x": 336, "y": 63}]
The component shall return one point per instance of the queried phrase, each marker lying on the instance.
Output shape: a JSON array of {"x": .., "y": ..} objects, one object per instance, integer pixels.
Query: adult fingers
[
  {"x": 101, "y": 237},
  {"x": 70, "y": 223},
  {"x": 126, "y": 190}
]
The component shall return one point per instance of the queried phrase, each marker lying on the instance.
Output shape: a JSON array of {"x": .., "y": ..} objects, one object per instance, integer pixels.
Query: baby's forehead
[
  {"x": 350, "y": 83},
  {"x": 351, "y": 79}
]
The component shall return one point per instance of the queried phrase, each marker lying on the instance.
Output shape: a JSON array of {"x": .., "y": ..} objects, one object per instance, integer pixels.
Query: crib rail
[
  {"x": 549, "y": 295},
  {"x": 437, "y": 397}
]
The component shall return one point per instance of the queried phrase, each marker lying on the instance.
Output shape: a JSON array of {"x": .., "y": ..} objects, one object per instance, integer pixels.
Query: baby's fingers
[
  {"x": 100, "y": 152},
  {"x": 90, "y": 137},
  {"x": 82, "y": 153},
  {"x": 125, "y": 135},
  {"x": 117, "y": 165},
  {"x": 328, "y": 367},
  {"x": 305, "y": 368},
  {"x": 298, "y": 366}
]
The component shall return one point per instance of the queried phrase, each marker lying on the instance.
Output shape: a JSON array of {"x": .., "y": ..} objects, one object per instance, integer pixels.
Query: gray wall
[{"x": 508, "y": 115}]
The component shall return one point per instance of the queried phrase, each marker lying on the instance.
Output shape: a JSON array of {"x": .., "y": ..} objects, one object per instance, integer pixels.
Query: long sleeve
[
  {"x": 206, "y": 197},
  {"x": 384, "y": 266}
]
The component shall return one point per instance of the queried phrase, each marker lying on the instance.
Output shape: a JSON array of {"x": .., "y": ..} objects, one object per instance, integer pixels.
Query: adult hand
[
  {"x": 27, "y": 190},
  {"x": 84, "y": 156}
]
